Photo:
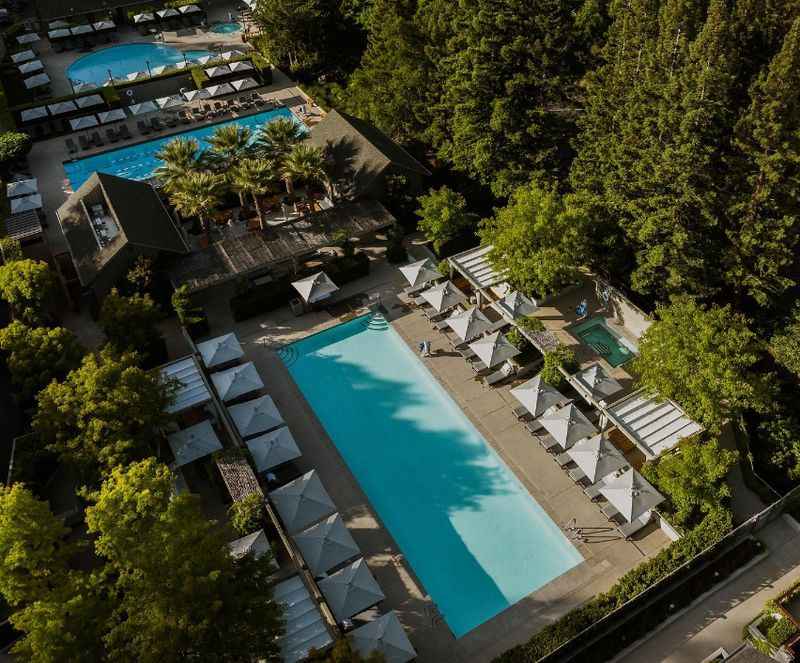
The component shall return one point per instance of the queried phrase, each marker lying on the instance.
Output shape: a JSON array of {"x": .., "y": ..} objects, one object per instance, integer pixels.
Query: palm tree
[
  {"x": 277, "y": 138},
  {"x": 198, "y": 194},
  {"x": 253, "y": 176},
  {"x": 306, "y": 164},
  {"x": 178, "y": 157},
  {"x": 229, "y": 143}
]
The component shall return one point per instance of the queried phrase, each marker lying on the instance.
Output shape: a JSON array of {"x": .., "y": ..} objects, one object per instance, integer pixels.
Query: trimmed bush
[
  {"x": 561, "y": 357},
  {"x": 14, "y": 145},
  {"x": 780, "y": 631}
]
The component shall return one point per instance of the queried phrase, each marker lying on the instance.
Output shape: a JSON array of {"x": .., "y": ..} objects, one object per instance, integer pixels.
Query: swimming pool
[
  {"x": 226, "y": 28},
  {"x": 472, "y": 533},
  {"x": 603, "y": 341},
  {"x": 137, "y": 162},
  {"x": 126, "y": 59}
]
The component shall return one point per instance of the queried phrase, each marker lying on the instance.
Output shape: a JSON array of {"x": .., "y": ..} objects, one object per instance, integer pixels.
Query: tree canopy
[
  {"x": 13, "y": 145},
  {"x": 443, "y": 215},
  {"x": 130, "y": 322},
  {"x": 27, "y": 285}
]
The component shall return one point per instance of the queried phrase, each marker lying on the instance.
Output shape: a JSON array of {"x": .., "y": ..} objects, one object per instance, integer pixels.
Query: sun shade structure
[
  {"x": 194, "y": 442},
  {"x": 89, "y": 101},
  {"x": 468, "y": 324},
  {"x": 273, "y": 449},
  {"x": 23, "y": 225},
  {"x": 385, "y": 635},
  {"x": 302, "y": 502},
  {"x": 37, "y": 81},
  {"x": 631, "y": 494},
  {"x": 597, "y": 457},
  {"x": 62, "y": 107},
  {"x": 220, "y": 350},
  {"x": 244, "y": 84},
  {"x": 537, "y": 396},
  {"x": 28, "y": 38},
  {"x": 227, "y": 55},
  {"x": 256, "y": 545},
  {"x": 420, "y": 272},
  {"x": 78, "y": 87},
  {"x": 595, "y": 383},
  {"x": 60, "y": 23},
  {"x": 82, "y": 29},
  {"x": 137, "y": 76},
  {"x": 514, "y": 305},
  {"x": 59, "y": 33},
  {"x": 111, "y": 116},
  {"x": 22, "y": 188},
  {"x": 83, "y": 122},
  {"x": 192, "y": 95},
  {"x": 189, "y": 9},
  {"x": 443, "y": 296},
  {"x": 305, "y": 628},
  {"x": 326, "y": 544},
  {"x": 30, "y": 67},
  {"x": 203, "y": 59},
  {"x": 315, "y": 288},
  {"x": 168, "y": 12},
  {"x": 474, "y": 266},
  {"x": 144, "y": 107},
  {"x": 237, "y": 381},
  {"x": 494, "y": 349},
  {"x": 143, "y": 18},
  {"x": 351, "y": 590},
  {"x": 219, "y": 70},
  {"x": 104, "y": 25},
  {"x": 23, "y": 56},
  {"x": 241, "y": 65},
  {"x": 25, "y": 203},
  {"x": 192, "y": 390},
  {"x": 219, "y": 90},
  {"x": 567, "y": 425},
  {"x": 256, "y": 416},
  {"x": 172, "y": 101},
  {"x": 31, "y": 114}
]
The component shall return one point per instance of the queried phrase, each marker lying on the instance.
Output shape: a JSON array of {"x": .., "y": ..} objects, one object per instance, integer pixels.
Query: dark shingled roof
[
  {"x": 360, "y": 151},
  {"x": 141, "y": 216}
]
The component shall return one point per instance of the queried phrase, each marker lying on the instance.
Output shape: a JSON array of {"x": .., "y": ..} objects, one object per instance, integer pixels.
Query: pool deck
[{"x": 490, "y": 410}]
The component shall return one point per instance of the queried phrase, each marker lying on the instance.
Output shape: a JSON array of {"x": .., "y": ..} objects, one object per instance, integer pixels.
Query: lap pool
[
  {"x": 472, "y": 533},
  {"x": 138, "y": 162}
]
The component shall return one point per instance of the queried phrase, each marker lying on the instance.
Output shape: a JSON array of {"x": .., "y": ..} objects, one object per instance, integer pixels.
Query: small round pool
[
  {"x": 226, "y": 28},
  {"x": 126, "y": 59}
]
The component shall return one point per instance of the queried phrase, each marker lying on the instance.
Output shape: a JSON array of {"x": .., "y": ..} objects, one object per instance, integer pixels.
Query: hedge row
[
  {"x": 706, "y": 534},
  {"x": 274, "y": 295}
]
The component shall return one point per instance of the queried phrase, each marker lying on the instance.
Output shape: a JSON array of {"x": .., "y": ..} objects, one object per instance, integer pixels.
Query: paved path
[{"x": 718, "y": 621}]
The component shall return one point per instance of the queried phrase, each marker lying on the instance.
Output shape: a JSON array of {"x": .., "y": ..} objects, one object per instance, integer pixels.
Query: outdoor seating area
[
  {"x": 26, "y": 219},
  {"x": 83, "y": 36}
]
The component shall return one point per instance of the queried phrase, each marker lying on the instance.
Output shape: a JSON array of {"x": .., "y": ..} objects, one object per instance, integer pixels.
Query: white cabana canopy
[
  {"x": 537, "y": 396},
  {"x": 170, "y": 102},
  {"x": 23, "y": 56},
  {"x": 420, "y": 272},
  {"x": 194, "y": 442},
  {"x": 237, "y": 381},
  {"x": 192, "y": 95},
  {"x": 597, "y": 457},
  {"x": 326, "y": 544},
  {"x": 219, "y": 90},
  {"x": 630, "y": 494},
  {"x": 89, "y": 100},
  {"x": 385, "y": 635},
  {"x": 22, "y": 188},
  {"x": 28, "y": 38},
  {"x": 168, "y": 12},
  {"x": 37, "y": 81},
  {"x": 33, "y": 113},
  {"x": 241, "y": 65},
  {"x": 219, "y": 70},
  {"x": 468, "y": 324},
  {"x": 192, "y": 389},
  {"x": 111, "y": 116},
  {"x": 315, "y": 288},
  {"x": 256, "y": 416},
  {"x": 567, "y": 425},
  {"x": 443, "y": 296},
  {"x": 244, "y": 84},
  {"x": 272, "y": 449},
  {"x": 302, "y": 502},
  {"x": 351, "y": 590},
  {"x": 596, "y": 383},
  {"x": 83, "y": 122},
  {"x": 143, "y": 18},
  {"x": 25, "y": 203},
  {"x": 220, "y": 350},
  {"x": 144, "y": 107},
  {"x": 82, "y": 29},
  {"x": 62, "y": 107},
  {"x": 99, "y": 26},
  {"x": 494, "y": 349},
  {"x": 30, "y": 67}
]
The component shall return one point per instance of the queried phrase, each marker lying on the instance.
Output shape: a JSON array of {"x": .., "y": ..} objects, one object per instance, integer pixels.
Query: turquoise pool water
[
  {"x": 472, "y": 533},
  {"x": 137, "y": 162},
  {"x": 226, "y": 28},
  {"x": 125, "y": 59},
  {"x": 597, "y": 336}
]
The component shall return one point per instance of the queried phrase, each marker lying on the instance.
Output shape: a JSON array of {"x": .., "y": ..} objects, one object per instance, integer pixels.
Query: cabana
[
  {"x": 89, "y": 101},
  {"x": 597, "y": 457},
  {"x": 494, "y": 349},
  {"x": 304, "y": 627},
  {"x": 62, "y": 108},
  {"x": 191, "y": 388},
  {"x": 256, "y": 416},
  {"x": 386, "y": 636},
  {"x": 31, "y": 114},
  {"x": 195, "y": 442},
  {"x": 237, "y": 381},
  {"x": 273, "y": 449},
  {"x": 24, "y": 226},
  {"x": 189, "y": 9},
  {"x": 326, "y": 545},
  {"x": 351, "y": 590},
  {"x": 474, "y": 265},
  {"x": 136, "y": 76},
  {"x": 229, "y": 55},
  {"x": 220, "y": 350},
  {"x": 594, "y": 384},
  {"x": 567, "y": 425},
  {"x": 39, "y": 80},
  {"x": 537, "y": 397},
  {"x": 302, "y": 502},
  {"x": 468, "y": 324},
  {"x": 79, "y": 86},
  {"x": 83, "y": 122},
  {"x": 114, "y": 115},
  {"x": 22, "y": 187},
  {"x": 102, "y": 26},
  {"x": 443, "y": 296},
  {"x": 630, "y": 494},
  {"x": 315, "y": 288},
  {"x": 58, "y": 23},
  {"x": 26, "y": 203},
  {"x": 169, "y": 12}
]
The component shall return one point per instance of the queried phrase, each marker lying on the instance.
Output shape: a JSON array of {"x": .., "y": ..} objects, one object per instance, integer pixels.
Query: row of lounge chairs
[{"x": 92, "y": 140}]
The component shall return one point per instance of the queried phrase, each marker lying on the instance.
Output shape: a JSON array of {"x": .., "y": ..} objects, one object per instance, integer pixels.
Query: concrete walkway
[{"x": 718, "y": 621}]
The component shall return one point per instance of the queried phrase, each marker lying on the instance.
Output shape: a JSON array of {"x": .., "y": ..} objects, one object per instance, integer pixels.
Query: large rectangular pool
[
  {"x": 472, "y": 533},
  {"x": 138, "y": 162}
]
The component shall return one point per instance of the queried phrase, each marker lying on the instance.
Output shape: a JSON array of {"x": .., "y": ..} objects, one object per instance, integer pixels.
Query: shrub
[
  {"x": 780, "y": 632},
  {"x": 245, "y": 514},
  {"x": 13, "y": 145},
  {"x": 531, "y": 324},
  {"x": 561, "y": 357},
  {"x": 444, "y": 267},
  {"x": 198, "y": 76},
  {"x": 10, "y": 250},
  {"x": 516, "y": 339}
]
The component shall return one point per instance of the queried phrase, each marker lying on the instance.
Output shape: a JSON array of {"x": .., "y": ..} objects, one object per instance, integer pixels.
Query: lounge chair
[
  {"x": 506, "y": 372},
  {"x": 521, "y": 412},
  {"x": 466, "y": 352},
  {"x": 593, "y": 491},
  {"x": 125, "y": 132},
  {"x": 440, "y": 325},
  {"x": 563, "y": 459},
  {"x": 184, "y": 118},
  {"x": 609, "y": 511},
  {"x": 143, "y": 128},
  {"x": 577, "y": 474},
  {"x": 84, "y": 141},
  {"x": 112, "y": 135},
  {"x": 96, "y": 139},
  {"x": 629, "y": 529},
  {"x": 548, "y": 442},
  {"x": 156, "y": 125},
  {"x": 70, "y": 146},
  {"x": 479, "y": 367},
  {"x": 171, "y": 121}
]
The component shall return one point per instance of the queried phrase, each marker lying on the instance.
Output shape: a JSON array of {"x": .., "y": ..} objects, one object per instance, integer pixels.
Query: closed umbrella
[
  {"x": 219, "y": 90},
  {"x": 170, "y": 102},
  {"x": 256, "y": 416},
  {"x": 420, "y": 272},
  {"x": 89, "y": 101},
  {"x": 494, "y": 349},
  {"x": 597, "y": 382},
  {"x": 385, "y": 635},
  {"x": 26, "y": 203},
  {"x": 83, "y": 122},
  {"x": 630, "y": 494},
  {"x": 30, "y": 67},
  {"x": 302, "y": 502},
  {"x": 351, "y": 590},
  {"x": 237, "y": 381},
  {"x": 82, "y": 29},
  {"x": 537, "y": 396},
  {"x": 220, "y": 350},
  {"x": 468, "y": 324},
  {"x": 443, "y": 296},
  {"x": 144, "y": 107},
  {"x": 326, "y": 544},
  {"x": 315, "y": 288},
  {"x": 244, "y": 84},
  {"x": 272, "y": 449},
  {"x": 195, "y": 442},
  {"x": 62, "y": 107},
  {"x": 23, "y": 56},
  {"x": 194, "y": 95},
  {"x": 567, "y": 425},
  {"x": 31, "y": 114},
  {"x": 28, "y": 38},
  {"x": 111, "y": 116},
  {"x": 37, "y": 81},
  {"x": 597, "y": 457},
  {"x": 22, "y": 188}
]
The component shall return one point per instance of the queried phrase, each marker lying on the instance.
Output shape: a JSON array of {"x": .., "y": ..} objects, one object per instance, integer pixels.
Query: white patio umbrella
[
  {"x": 144, "y": 107},
  {"x": 244, "y": 84},
  {"x": 227, "y": 55},
  {"x": 194, "y": 95},
  {"x": 237, "y": 381},
  {"x": 137, "y": 75},
  {"x": 351, "y": 590},
  {"x": 168, "y": 12},
  {"x": 597, "y": 457},
  {"x": 194, "y": 442},
  {"x": 160, "y": 69},
  {"x": 26, "y": 203},
  {"x": 89, "y": 101},
  {"x": 274, "y": 448},
  {"x": 100, "y": 26},
  {"x": 220, "y": 350},
  {"x": 326, "y": 544},
  {"x": 173, "y": 101},
  {"x": 567, "y": 425},
  {"x": 179, "y": 65},
  {"x": 60, "y": 23},
  {"x": 60, "y": 33},
  {"x": 189, "y": 9},
  {"x": 315, "y": 288},
  {"x": 143, "y": 18},
  {"x": 468, "y": 324},
  {"x": 28, "y": 38},
  {"x": 241, "y": 65},
  {"x": 23, "y": 56},
  {"x": 79, "y": 86},
  {"x": 219, "y": 70},
  {"x": 219, "y": 90},
  {"x": 630, "y": 494},
  {"x": 33, "y": 113},
  {"x": 30, "y": 67},
  {"x": 62, "y": 107},
  {"x": 494, "y": 349},
  {"x": 420, "y": 272},
  {"x": 386, "y": 635},
  {"x": 514, "y": 305},
  {"x": 81, "y": 29},
  {"x": 111, "y": 116},
  {"x": 537, "y": 396},
  {"x": 37, "y": 81},
  {"x": 256, "y": 416},
  {"x": 83, "y": 122},
  {"x": 597, "y": 382},
  {"x": 443, "y": 296},
  {"x": 302, "y": 502},
  {"x": 203, "y": 59},
  {"x": 255, "y": 544},
  {"x": 22, "y": 188}
]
